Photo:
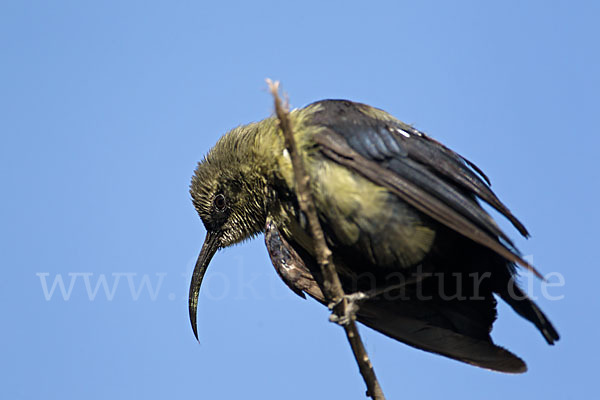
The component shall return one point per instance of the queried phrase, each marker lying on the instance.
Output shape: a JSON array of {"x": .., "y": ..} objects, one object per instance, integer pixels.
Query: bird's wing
[
  {"x": 421, "y": 171},
  {"x": 289, "y": 266},
  {"x": 417, "y": 325}
]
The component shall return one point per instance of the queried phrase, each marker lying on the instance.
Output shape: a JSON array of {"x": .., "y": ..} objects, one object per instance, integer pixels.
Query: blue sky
[{"x": 107, "y": 106}]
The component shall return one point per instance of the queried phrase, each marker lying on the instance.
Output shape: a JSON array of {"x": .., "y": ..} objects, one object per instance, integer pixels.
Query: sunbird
[{"x": 401, "y": 214}]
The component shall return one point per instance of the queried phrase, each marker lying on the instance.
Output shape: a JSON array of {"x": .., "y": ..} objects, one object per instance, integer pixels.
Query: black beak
[{"x": 209, "y": 248}]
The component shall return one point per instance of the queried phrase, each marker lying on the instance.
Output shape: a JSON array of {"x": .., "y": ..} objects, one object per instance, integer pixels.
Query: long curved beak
[{"x": 209, "y": 248}]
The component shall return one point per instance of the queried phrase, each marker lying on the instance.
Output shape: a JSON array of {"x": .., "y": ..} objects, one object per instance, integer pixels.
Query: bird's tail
[{"x": 421, "y": 333}]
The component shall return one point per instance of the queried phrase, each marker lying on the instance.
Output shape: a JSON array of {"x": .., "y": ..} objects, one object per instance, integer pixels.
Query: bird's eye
[{"x": 220, "y": 202}]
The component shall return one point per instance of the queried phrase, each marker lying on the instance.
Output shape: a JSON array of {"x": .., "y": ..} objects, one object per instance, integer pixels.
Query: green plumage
[
  {"x": 252, "y": 168},
  {"x": 391, "y": 201}
]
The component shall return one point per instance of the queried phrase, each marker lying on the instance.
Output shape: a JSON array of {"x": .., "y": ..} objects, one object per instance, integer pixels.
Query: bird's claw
[{"x": 343, "y": 317}]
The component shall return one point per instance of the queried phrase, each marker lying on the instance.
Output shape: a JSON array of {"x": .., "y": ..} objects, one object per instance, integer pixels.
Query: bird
[{"x": 401, "y": 213}]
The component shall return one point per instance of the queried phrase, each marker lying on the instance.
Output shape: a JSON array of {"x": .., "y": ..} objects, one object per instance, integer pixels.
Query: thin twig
[{"x": 334, "y": 293}]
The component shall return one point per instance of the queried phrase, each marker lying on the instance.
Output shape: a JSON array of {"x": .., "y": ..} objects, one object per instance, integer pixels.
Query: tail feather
[
  {"x": 526, "y": 308},
  {"x": 385, "y": 318}
]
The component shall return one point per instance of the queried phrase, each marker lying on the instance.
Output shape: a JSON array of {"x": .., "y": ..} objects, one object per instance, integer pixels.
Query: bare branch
[{"x": 332, "y": 286}]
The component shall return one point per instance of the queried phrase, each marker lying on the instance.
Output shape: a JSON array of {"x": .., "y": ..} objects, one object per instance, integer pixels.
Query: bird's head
[{"x": 229, "y": 193}]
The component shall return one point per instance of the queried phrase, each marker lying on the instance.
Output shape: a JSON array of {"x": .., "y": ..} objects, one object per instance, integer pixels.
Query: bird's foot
[{"x": 348, "y": 313}]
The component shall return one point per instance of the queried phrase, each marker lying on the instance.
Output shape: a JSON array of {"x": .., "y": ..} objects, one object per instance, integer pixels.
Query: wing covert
[{"x": 420, "y": 170}]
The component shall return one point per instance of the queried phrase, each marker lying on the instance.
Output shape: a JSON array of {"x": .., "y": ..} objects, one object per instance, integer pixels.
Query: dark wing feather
[
  {"x": 385, "y": 138},
  {"x": 452, "y": 166},
  {"x": 415, "y": 324},
  {"x": 421, "y": 171}
]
